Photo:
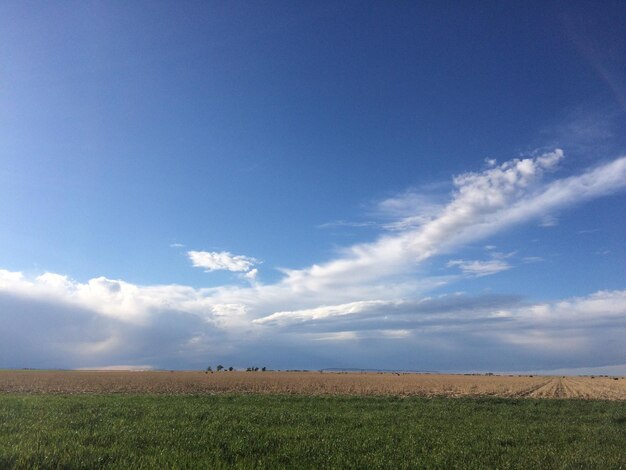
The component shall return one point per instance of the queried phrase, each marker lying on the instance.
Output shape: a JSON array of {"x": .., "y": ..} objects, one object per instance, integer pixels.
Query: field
[
  {"x": 280, "y": 431},
  {"x": 88, "y": 419},
  {"x": 312, "y": 383}
]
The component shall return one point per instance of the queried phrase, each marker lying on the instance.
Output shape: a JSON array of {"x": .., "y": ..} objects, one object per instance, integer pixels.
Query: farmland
[
  {"x": 88, "y": 419},
  {"x": 312, "y": 383},
  {"x": 279, "y": 431}
]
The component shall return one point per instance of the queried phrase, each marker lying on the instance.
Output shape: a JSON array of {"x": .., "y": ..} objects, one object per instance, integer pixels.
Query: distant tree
[
  {"x": 230, "y": 368},
  {"x": 263, "y": 368},
  {"x": 209, "y": 369},
  {"x": 256, "y": 369},
  {"x": 220, "y": 367}
]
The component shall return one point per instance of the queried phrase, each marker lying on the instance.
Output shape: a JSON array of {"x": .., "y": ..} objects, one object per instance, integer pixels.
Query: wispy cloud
[
  {"x": 409, "y": 210},
  {"x": 345, "y": 223},
  {"x": 319, "y": 313},
  {"x": 483, "y": 204},
  {"x": 480, "y": 268},
  {"x": 549, "y": 221},
  {"x": 585, "y": 132},
  {"x": 501, "y": 255}
]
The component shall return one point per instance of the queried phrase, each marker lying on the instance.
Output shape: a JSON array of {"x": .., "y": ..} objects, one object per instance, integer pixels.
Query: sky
[{"x": 427, "y": 186}]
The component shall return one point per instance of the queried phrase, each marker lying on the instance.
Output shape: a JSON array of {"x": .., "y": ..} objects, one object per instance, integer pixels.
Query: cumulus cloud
[
  {"x": 127, "y": 303},
  {"x": 54, "y": 321},
  {"x": 221, "y": 260}
]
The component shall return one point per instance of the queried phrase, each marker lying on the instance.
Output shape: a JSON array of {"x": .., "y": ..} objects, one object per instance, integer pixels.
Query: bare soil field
[{"x": 311, "y": 383}]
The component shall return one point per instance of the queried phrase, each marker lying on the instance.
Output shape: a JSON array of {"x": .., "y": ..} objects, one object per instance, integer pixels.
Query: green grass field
[{"x": 251, "y": 431}]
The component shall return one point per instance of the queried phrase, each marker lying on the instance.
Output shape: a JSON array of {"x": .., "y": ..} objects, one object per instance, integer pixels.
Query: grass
[{"x": 269, "y": 431}]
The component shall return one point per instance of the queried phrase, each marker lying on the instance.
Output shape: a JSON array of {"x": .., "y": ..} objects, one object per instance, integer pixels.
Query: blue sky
[{"x": 423, "y": 186}]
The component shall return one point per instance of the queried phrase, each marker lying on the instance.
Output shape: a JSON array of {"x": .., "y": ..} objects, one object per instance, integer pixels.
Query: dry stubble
[{"x": 311, "y": 383}]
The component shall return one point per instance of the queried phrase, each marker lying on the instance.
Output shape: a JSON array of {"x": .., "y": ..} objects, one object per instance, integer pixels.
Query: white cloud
[
  {"x": 479, "y": 207},
  {"x": 114, "y": 298},
  {"x": 584, "y": 311},
  {"x": 502, "y": 255},
  {"x": 222, "y": 260},
  {"x": 483, "y": 204},
  {"x": 324, "y": 312},
  {"x": 367, "y": 287},
  {"x": 228, "y": 310},
  {"x": 403, "y": 314},
  {"x": 480, "y": 268},
  {"x": 251, "y": 275}
]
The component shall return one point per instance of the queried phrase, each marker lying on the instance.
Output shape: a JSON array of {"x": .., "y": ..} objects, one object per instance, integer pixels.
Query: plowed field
[{"x": 311, "y": 383}]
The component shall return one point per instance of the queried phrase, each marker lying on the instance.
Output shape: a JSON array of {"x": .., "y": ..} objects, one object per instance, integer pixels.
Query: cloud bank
[{"x": 75, "y": 325}]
